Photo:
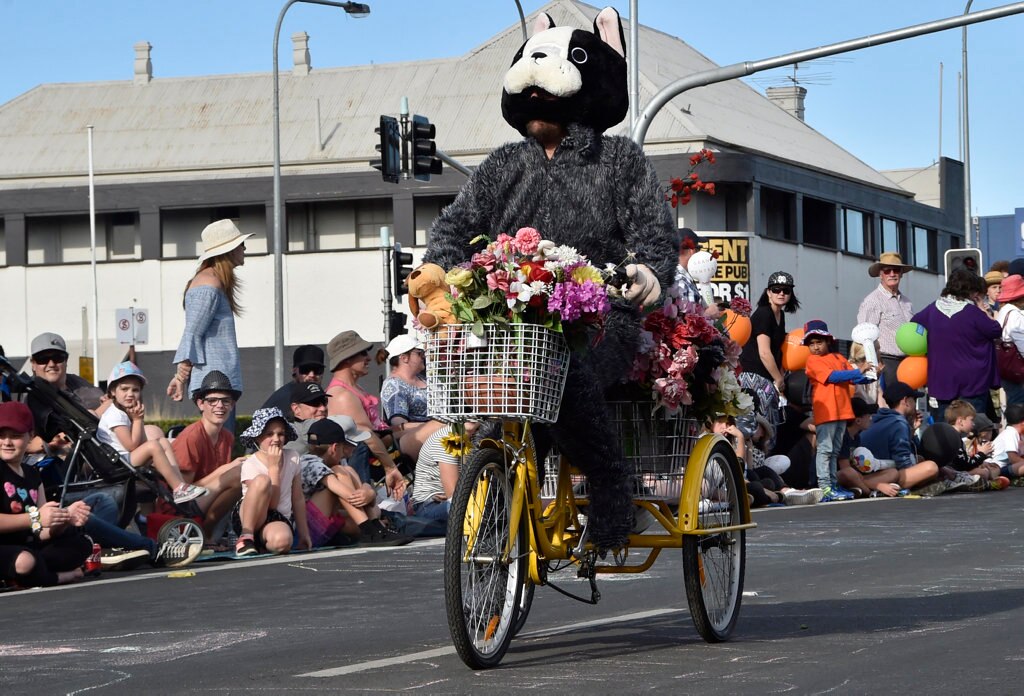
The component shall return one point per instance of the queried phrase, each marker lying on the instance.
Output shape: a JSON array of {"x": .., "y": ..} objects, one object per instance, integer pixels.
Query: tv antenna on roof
[{"x": 807, "y": 73}]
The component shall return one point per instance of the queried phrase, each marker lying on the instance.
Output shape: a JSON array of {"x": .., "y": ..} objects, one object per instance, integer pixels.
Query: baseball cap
[
  {"x": 402, "y": 344},
  {"x": 688, "y": 239},
  {"x": 816, "y": 327},
  {"x": 898, "y": 391},
  {"x": 352, "y": 432},
  {"x": 16, "y": 416},
  {"x": 48, "y": 341},
  {"x": 982, "y": 423},
  {"x": 781, "y": 278},
  {"x": 862, "y": 407},
  {"x": 308, "y": 355},
  {"x": 307, "y": 393},
  {"x": 325, "y": 432}
]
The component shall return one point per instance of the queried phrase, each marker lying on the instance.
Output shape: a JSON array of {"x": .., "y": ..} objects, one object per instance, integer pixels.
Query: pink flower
[
  {"x": 484, "y": 259},
  {"x": 498, "y": 280},
  {"x": 527, "y": 240}
]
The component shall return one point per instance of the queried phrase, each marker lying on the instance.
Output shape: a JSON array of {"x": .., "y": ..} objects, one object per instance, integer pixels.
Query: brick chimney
[
  {"x": 790, "y": 98},
  {"x": 300, "y": 53},
  {"x": 143, "y": 65}
]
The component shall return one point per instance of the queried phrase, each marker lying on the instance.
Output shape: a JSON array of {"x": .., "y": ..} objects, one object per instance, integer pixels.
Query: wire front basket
[
  {"x": 515, "y": 372},
  {"x": 656, "y": 446}
]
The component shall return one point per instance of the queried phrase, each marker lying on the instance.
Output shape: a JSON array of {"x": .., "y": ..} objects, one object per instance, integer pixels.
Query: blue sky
[{"x": 881, "y": 104}]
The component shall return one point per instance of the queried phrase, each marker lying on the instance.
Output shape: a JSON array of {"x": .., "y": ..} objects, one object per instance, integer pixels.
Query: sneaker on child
[
  {"x": 177, "y": 554},
  {"x": 186, "y": 492},
  {"x": 374, "y": 533},
  {"x": 245, "y": 546},
  {"x": 810, "y": 496},
  {"x": 122, "y": 559}
]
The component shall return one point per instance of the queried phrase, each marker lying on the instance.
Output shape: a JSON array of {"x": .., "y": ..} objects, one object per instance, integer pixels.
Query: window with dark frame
[
  {"x": 819, "y": 222},
  {"x": 894, "y": 238},
  {"x": 778, "y": 213},
  {"x": 856, "y": 232}
]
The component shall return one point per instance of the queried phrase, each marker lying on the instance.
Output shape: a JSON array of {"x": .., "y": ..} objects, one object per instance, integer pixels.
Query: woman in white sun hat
[{"x": 211, "y": 305}]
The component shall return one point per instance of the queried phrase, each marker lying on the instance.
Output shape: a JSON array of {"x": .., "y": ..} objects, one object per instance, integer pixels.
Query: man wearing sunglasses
[
  {"x": 307, "y": 368},
  {"x": 887, "y": 308}
]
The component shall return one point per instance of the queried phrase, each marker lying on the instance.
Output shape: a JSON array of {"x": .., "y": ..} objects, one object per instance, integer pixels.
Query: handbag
[{"x": 1009, "y": 361}]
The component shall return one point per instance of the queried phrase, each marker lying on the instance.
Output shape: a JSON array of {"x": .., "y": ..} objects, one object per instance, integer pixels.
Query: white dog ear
[
  {"x": 542, "y": 23},
  {"x": 609, "y": 29}
]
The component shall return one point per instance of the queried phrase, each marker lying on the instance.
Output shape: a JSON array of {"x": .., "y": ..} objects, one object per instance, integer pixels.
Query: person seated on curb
[
  {"x": 41, "y": 543},
  {"x": 888, "y": 437},
  {"x": 50, "y": 364},
  {"x": 272, "y": 499},
  {"x": 1006, "y": 448},
  {"x": 962, "y": 417},
  {"x": 403, "y": 396},
  {"x": 123, "y": 550},
  {"x": 348, "y": 358},
  {"x": 331, "y": 487},
  {"x": 308, "y": 404},
  {"x": 203, "y": 450},
  {"x": 307, "y": 368},
  {"x": 123, "y": 427},
  {"x": 437, "y": 470},
  {"x": 883, "y": 481},
  {"x": 764, "y": 485}
]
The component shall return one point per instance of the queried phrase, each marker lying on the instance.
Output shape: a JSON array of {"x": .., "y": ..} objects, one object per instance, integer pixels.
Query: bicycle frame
[{"x": 553, "y": 529}]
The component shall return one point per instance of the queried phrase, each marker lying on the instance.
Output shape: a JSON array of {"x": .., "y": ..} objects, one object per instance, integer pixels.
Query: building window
[
  {"x": 819, "y": 223},
  {"x": 123, "y": 237},
  {"x": 924, "y": 248},
  {"x": 61, "y": 239},
  {"x": 181, "y": 229},
  {"x": 777, "y": 213},
  {"x": 894, "y": 237},
  {"x": 322, "y": 226},
  {"x": 371, "y": 215},
  {"x": 856, "y": 232}
]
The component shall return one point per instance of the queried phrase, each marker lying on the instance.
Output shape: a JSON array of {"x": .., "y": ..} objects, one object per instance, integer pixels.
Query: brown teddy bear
[{"x": 427, "y": 290}]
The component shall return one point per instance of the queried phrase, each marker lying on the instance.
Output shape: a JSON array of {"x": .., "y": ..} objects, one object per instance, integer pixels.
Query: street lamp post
[
  {"x": 356, "y": 9},
  {"x": 967, "y": 142}
]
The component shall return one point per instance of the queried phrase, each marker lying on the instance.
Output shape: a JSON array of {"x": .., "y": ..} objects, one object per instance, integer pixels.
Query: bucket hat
[
  {"x": 994, "y": 278},
  {"x": 122, "y": 370},
  {"x": 343, "y": 346},
  {"x": 260, "y": 418},
  {"x": 816, "y": 327},
  {"x": 888, "y": 258},
  {"x": 220, "y": 237},
  {"x": 216, "y": 381},
  {"x": 1012, "y": 289}
]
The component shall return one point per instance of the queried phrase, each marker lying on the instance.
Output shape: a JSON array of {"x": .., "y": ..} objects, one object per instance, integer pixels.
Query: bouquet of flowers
[
  {"x": 528, "y": 280},
  {"x": 685, "y": 360}
]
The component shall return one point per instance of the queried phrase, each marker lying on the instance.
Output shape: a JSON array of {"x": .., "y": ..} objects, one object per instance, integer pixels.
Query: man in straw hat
[{"x": 888, "y": 309}]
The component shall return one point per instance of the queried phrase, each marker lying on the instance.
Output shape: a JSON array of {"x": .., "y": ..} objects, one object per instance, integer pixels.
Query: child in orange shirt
[{"x": 832, "y": 379}]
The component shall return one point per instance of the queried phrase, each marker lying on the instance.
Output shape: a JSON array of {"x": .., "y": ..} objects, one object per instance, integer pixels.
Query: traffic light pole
[{"x": 385, "y": 248}]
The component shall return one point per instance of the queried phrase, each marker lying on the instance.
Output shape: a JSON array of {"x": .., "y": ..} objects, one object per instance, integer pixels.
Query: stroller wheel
[{"x": 182, "y": 531}]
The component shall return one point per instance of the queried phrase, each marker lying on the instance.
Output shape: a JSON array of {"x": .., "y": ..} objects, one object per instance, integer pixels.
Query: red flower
[
  {"x": 709, "y": 189},
  {"x": 536, "y": 271}
]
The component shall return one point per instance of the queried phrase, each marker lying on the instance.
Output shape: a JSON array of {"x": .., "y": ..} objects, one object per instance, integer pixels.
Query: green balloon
[{"x": 912, "y": 338}]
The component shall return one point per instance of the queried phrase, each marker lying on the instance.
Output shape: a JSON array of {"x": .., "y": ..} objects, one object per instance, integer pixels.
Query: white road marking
[{"x": 441, "y": 652}]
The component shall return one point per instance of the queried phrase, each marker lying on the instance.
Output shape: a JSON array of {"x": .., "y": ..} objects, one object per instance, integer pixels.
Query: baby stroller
[{"x": 94, "y": 466}]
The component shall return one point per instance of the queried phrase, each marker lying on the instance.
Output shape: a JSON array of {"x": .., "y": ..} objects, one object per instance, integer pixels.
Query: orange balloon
[
  {"x": 794, "y": 352},
  {"x": 914, "y": 371},
  {"x": 737, "y": 326}
]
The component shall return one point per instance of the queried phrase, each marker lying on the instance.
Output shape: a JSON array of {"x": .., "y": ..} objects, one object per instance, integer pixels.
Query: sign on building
[
  {"x": 733, "y": 276},
  {"x": 132, "y": 326}
]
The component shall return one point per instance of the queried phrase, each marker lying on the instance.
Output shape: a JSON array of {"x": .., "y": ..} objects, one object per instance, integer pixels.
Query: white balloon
[{"x": 702, "y": 267}]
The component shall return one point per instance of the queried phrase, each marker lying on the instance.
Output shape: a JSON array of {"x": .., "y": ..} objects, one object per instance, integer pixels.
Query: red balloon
[
  {"x": 794, "y": 352},
  {"x": 737, "y": 326},
  {"x": 914, "y": 371}
]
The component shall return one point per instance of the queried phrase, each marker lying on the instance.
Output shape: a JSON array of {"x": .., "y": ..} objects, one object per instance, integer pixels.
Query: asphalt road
[{"x": 865, "y": 597}]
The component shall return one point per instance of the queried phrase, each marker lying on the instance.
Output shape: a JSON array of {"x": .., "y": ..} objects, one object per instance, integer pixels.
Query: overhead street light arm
[{"x": 730, "y": 72}]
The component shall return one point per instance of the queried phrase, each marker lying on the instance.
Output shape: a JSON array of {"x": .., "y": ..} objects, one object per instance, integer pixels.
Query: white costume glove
[{"x": 644, "y": 288}]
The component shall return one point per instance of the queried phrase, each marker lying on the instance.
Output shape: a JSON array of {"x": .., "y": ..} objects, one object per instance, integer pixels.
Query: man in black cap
[
  {"x": 308, "y": 405},
  {"x": 307, "y": 368}
]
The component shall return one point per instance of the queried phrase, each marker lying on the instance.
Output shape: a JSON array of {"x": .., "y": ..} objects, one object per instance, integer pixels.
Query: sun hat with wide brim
[
  {"x": 220, "y": 237},
  {"x": 260, "y": 418},
  {"x": 1012, "y": 288},
  {"x": 888, "y": 258},
  {"x": 344, "y": 346},
  {"x": 994, "y": 278}
]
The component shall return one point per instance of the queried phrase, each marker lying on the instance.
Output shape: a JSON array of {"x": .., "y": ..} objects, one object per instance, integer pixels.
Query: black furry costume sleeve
[{"x": 598, "y": 194}]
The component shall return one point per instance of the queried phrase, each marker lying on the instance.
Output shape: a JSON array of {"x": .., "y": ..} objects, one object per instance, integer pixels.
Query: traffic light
[
  {"x": 424, "y": 152},
  {"x": 963, "y": 258},
  {"x": 401, "y": 268},
  {"x": 390, "y": 149},
  {"x": 396, "y": 324}
]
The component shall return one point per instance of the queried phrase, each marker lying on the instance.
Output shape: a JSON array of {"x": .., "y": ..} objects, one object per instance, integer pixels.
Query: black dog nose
[{"x": 538, "y": 54}]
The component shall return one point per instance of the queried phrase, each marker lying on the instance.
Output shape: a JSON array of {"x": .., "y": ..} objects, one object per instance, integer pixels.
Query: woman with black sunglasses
[{"x": 761, "y": 358}]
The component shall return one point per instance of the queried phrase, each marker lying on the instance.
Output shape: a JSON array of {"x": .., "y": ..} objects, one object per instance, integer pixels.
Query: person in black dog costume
[{"x": 583, "y": 189}]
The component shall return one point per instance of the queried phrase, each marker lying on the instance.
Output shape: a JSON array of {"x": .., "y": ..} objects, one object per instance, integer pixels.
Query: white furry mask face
[{"x": 548, "y": 62}]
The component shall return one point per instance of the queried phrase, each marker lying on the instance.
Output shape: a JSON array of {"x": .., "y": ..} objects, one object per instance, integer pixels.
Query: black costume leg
[{"x": 584, "y": 431}]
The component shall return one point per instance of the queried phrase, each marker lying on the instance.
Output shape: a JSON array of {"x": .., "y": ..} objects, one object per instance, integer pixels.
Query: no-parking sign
[{"x": 132, "y": 326}]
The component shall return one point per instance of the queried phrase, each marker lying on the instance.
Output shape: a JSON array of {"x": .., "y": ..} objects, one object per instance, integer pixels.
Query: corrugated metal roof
[{"x": 206, "y": 125}]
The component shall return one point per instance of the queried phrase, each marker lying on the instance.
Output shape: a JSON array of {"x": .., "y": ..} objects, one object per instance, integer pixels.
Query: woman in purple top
[{"x": 961, "y": 348}]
